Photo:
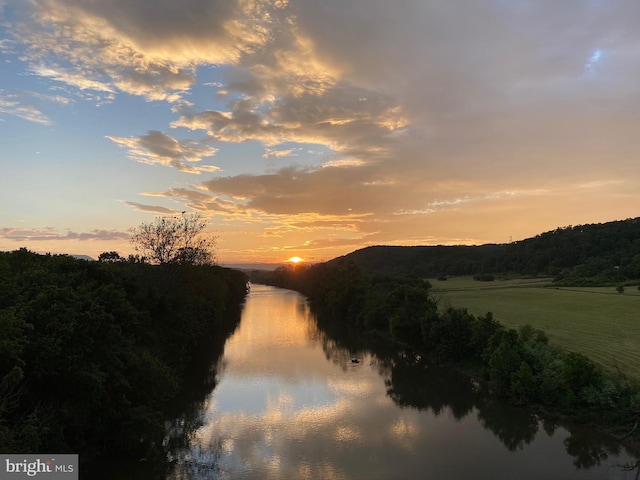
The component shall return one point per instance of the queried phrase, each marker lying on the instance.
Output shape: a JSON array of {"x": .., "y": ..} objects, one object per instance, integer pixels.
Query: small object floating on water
[{"x": 355, "y": 360}]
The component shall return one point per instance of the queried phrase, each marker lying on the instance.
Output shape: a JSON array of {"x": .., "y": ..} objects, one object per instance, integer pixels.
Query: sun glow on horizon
[{"x": 295, "y": 260}]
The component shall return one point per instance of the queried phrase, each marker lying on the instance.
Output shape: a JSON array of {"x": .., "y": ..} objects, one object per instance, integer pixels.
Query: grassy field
[{"x": 597, "y": 322}]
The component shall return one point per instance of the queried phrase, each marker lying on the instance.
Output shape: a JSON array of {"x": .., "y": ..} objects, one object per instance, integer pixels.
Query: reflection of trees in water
[
  {"x": 632, "y": 467},
  {"x": 339, "y": 342},
  {"x": 184, "y": 458},
  {"x": 514, "y": 426},
  {"x": 589, "y": 451},
  {"x": 199, "y": 462},
  {"x": 413, "y": 383},
  {"x": 176, "y": 456}
]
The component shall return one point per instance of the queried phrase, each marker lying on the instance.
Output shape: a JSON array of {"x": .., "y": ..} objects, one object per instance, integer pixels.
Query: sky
[{"x": 314, "y": 128}]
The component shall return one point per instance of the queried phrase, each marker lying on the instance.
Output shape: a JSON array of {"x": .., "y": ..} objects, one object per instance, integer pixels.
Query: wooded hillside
[{"x": 606, "y": 253}]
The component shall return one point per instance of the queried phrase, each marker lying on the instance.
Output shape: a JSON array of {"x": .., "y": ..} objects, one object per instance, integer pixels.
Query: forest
[
  {"x": 595, "y": 254},
  {"x": 92, "y": 354}
]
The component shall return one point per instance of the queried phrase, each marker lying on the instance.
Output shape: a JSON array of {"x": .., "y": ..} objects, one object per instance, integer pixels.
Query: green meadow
[{"x": 595, "y": 321}]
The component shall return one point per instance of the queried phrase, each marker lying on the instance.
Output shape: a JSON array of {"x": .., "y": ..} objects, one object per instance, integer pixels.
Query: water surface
[{"x": 291, "y": 404}]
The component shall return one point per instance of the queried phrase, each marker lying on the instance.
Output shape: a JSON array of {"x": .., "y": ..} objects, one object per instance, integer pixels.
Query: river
[{"x": 290, "y": 403}]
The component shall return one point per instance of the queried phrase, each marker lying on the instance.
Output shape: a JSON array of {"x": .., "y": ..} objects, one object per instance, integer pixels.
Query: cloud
[
  {"x": 153, "y": 208},
  {"x": 5, "y": 44},
  {"x": 58, "y": 99},
  {"x": 294, "y": 190},
  {"x": 158, "y": 148},
  {"x": 602, "y": 183},
  {"x": 414, "y": 97},
  {"x": 11, "y": 104},
  {"x": 52, "y": 233},
  {"x": 203, "y": 202},
  {"x": 339, "y": 119},
  {"x": 450, "y": 53},
  {"x": 124, "y": 45},
  {"x": 326, "y": 222},
  {"x": 464, "y": 117},
  {"x": 74, "y": 79},
  {"x": 454, "y": 203},
  {"x": 269, "y": 153}
]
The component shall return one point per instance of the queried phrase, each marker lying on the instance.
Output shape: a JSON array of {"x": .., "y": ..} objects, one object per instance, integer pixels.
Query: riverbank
[
  {"x": 610, "y": 436},
  {"x": 521, "y": 365}
]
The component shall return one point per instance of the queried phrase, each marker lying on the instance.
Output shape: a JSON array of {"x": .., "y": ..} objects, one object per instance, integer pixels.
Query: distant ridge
[
  {"x": 612, "y": 247},
  {"x": 84, "y": 257}
]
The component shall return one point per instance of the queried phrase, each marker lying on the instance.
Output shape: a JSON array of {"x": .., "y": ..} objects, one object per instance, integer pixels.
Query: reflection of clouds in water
[
  {"x": 328, "y": 419},
  {"x": 292, "y": 363},
  {"x": 325, "y": 441},
  {"x": 346, "y": 434},
  {"x": 359, "y": 387},
  {"x": 405, "y": 433},
  {"x": 288, "y": 412},
  {"x": 257, "y": 395},
  {"x": 293, "y": 425}
]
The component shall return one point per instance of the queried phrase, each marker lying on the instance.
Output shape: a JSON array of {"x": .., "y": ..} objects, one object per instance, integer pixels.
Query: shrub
[{"x": 503, "y": 357}]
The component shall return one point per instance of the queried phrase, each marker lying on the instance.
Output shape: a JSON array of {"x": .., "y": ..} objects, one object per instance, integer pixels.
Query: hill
[{"x": 605, "y": 253}]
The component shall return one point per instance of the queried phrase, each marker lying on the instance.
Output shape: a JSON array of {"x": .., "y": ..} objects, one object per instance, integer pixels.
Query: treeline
[
  {"x": 93, "y": 353},
  {"x": 606, "y": 253},
  {"x": 520, "y": 365}
]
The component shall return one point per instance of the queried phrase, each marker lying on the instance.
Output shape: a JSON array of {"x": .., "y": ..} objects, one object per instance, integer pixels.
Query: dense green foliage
[
  {"x": 519, "y": 364},
  {"x": 91, "y": 353},
  {"x": 596, "y": 254}
]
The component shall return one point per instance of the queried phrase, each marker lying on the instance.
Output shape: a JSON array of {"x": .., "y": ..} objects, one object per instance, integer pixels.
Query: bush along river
[{"x": 298, "y": 398}]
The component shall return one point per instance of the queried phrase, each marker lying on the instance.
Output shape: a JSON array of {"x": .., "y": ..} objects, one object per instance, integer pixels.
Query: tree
[
  {"x": 110, "y": 257},
  {"x": 178, "y": 239}
]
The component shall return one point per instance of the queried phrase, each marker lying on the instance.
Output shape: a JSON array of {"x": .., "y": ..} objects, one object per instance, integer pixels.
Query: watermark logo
[{"x": 48, "y": 466}]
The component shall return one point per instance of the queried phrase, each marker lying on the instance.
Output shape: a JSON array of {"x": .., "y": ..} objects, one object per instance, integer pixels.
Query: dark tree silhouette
[{"x": 178, "y": 239}]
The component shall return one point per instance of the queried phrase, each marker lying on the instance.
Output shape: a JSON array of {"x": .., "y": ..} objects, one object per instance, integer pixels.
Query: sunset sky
[{"x": 313, "y": 128}]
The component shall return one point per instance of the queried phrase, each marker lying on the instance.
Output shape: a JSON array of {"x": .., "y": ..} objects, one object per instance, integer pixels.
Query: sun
[{"x": 295, "y": 260}]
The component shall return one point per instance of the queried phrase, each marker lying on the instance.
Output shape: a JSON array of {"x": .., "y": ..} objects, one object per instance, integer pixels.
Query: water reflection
[
  {"x": 412, "y": 382},
  {"x": 185, "y": 416},
  {"x": 291, "y": 404}
]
